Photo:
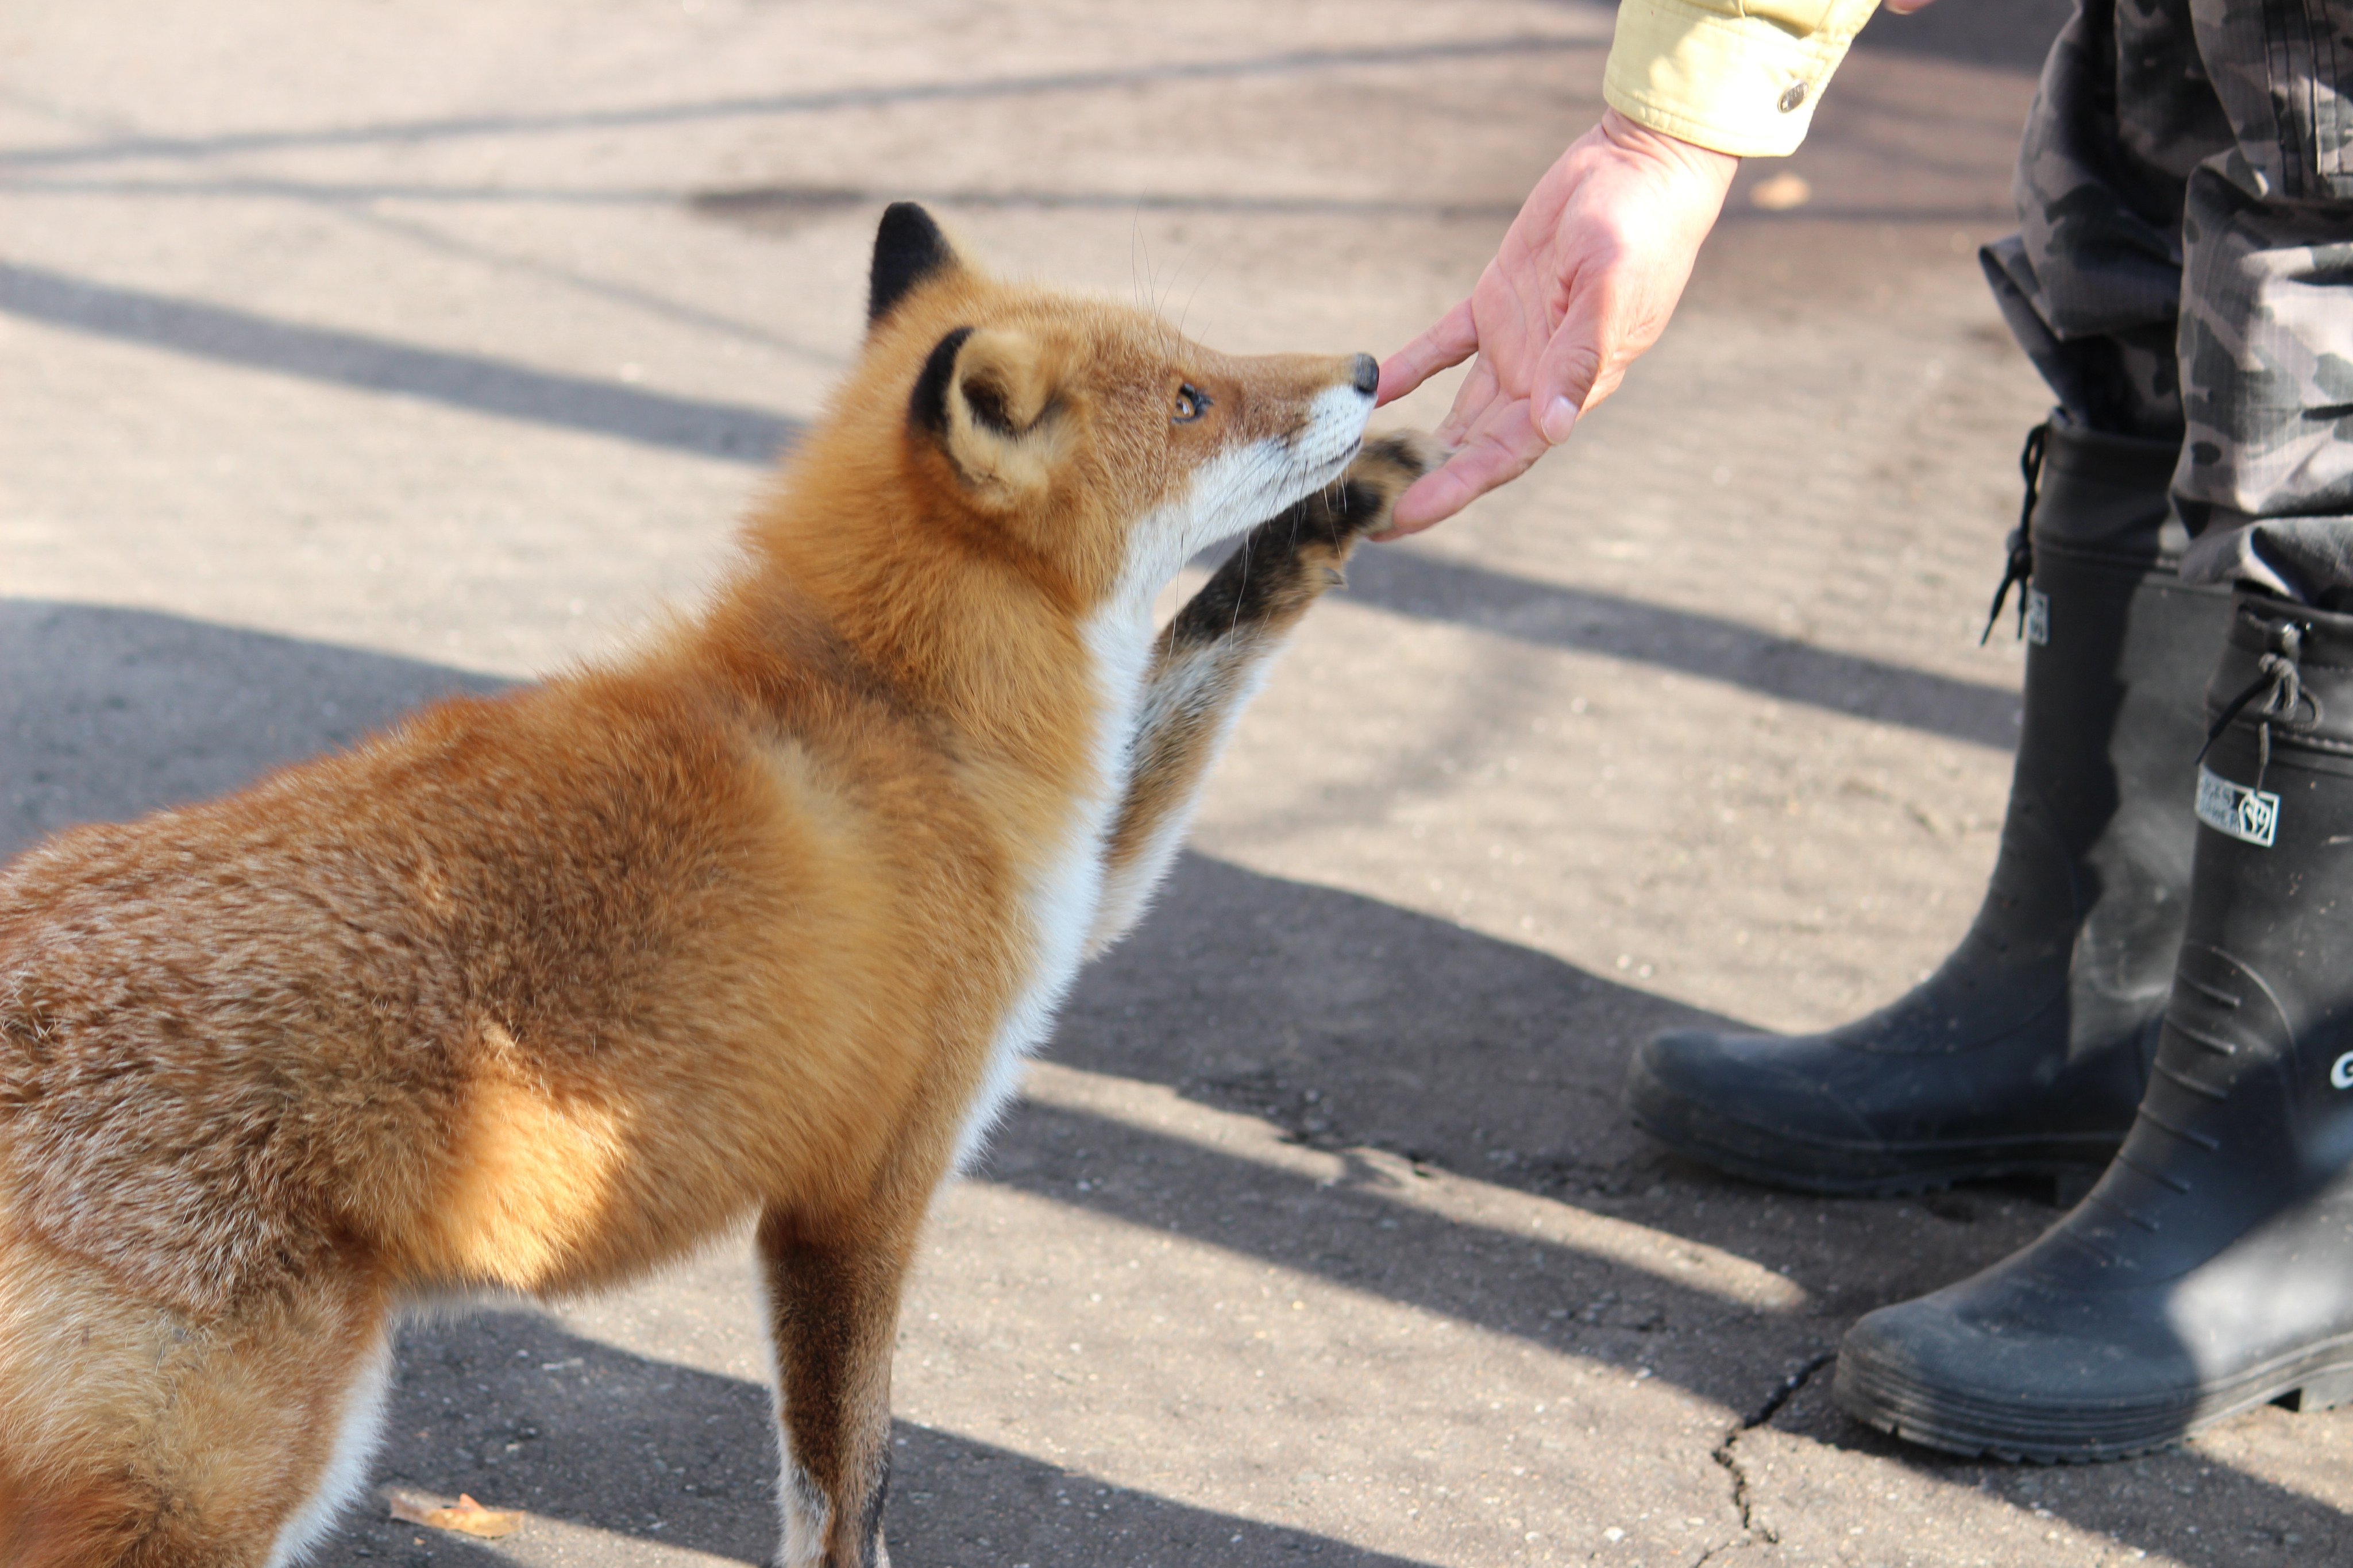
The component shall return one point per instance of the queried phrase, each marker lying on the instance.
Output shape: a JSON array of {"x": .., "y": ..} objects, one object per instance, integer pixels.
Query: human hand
[{"x": 1582, "y": 285}]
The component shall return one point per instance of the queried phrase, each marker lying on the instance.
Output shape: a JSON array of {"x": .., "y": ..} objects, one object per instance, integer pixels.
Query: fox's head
[{"x": 1089, "y": 440}]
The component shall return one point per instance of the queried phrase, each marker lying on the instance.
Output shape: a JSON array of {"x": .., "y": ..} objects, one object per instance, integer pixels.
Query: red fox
[{"x": 534, "y": 993}]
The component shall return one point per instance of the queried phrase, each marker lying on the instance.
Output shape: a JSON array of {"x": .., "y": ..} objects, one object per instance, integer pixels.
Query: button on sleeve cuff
[{"x": 1737, "y": 76}]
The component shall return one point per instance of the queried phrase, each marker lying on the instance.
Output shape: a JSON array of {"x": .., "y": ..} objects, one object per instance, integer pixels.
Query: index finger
[{"x": 1454, "y": 339}]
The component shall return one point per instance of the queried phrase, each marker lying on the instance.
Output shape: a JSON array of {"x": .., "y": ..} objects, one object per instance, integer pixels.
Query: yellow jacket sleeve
[{"x": 1738, "y": 75}]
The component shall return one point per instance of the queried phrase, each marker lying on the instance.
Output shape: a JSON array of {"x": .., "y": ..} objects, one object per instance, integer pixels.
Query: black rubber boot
[
  {"x": 2027, "y": 1050},
  {"x": 2212, "y": 1268}
]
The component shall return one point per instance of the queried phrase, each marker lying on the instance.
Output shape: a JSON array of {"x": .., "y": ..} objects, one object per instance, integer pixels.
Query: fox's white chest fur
[
  {"x": 1066, "y": 903},
  {"x": 1064, "y": 895},
  {"x": 1067, "y": 899}
]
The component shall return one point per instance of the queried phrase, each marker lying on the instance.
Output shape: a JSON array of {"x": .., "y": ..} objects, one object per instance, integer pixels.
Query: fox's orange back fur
[{"x": 533, "y": 992}]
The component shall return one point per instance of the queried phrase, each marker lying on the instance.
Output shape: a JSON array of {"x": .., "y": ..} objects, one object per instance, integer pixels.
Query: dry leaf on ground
[{"x": 467, "y": 1517}]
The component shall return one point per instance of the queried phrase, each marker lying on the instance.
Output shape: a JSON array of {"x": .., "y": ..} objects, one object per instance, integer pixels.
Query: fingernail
[{"x": 1559, "y": 417}]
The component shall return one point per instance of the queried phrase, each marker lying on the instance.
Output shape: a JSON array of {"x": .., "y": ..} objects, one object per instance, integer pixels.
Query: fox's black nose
[{"x": 1368, "y": 374}]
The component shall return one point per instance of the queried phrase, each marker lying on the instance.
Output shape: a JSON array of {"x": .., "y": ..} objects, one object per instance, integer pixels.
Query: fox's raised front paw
[
  {"x": 1383, "y": 472},
  {"x": 1284, "y": 563},
  {"x": 1326, "y": 526}
]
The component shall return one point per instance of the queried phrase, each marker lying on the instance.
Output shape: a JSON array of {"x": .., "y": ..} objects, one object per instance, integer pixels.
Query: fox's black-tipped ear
[
  {"x": 993, "y": 402},
  {"x": 928, "y": 407},
  {"x": 907, "y": 249}
]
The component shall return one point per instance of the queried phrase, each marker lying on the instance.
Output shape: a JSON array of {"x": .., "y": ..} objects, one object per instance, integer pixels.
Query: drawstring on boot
[
  {"x": 2020, "y": 565},
  {"x": 2281, "y": 686}
]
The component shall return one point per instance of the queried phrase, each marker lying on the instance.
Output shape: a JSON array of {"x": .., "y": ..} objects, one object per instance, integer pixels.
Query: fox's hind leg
[
  {"x": 1211, "y": 657},
  {"x": 136, "y": 1436},
  {"x": 833, "y": 1289}
]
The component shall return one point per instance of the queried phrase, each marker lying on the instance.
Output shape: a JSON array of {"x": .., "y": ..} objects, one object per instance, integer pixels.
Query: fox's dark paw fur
[
  {"x": 1361, "y": 502},
  {"x": 1286, "y": 561}
]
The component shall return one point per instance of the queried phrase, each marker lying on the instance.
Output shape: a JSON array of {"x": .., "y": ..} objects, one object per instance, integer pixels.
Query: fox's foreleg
[
  {"x": 833, "y": 1289},
  {"x": 1213, "y": 655}
]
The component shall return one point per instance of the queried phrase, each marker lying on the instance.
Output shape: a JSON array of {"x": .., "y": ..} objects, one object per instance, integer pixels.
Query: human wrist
[{"x": 1704, "y": 165}]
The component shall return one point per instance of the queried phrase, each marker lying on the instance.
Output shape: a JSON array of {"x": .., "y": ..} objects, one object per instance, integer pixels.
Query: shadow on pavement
[
  {"x": 1348, "y": 1022},
  {"x": 1404, "y": 581},
  {"x": 1409, "y": 582},
  {"x": 107, "y": 714},
  {"x": 367, "y": 362},
  {"x": 788, "y": 209},
  {"x": 510, "y": 1409},
  {"x": 754, "y": 106},
  {"x": 785, "y": 209},
  {"x": 1345, "y": 1023},
  {"x": 1342, "y": 1021}
]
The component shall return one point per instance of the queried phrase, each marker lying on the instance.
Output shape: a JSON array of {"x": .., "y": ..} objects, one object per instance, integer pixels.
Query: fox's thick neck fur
[{"x": 993, "y": 577}]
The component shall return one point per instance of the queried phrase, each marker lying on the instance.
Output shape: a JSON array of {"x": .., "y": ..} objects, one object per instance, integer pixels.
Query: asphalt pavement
[{"x": 355, "y": 352}]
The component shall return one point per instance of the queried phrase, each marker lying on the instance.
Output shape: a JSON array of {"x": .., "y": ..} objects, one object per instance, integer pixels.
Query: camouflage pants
[{"x": 2184, "y": 266}]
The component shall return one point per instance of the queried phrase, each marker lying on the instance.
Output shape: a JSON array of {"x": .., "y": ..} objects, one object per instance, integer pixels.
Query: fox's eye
[{"x": 1191, "y": 404}]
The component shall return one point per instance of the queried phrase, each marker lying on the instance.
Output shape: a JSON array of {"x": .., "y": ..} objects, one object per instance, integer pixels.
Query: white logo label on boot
[
  {"x": 2252, "y": 814},
  {"x": 2341, "y": 1075},
  {"x": 2037, "y": 617}
]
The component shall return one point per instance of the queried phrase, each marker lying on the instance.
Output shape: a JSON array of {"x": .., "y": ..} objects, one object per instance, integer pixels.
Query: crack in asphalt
[{"x": 1725, "y": 1456}]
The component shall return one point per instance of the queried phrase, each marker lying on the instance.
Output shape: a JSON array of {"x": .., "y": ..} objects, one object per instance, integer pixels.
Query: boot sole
[
  {"x": 1853, "y": 1170},
  {"x": 2320, "y": 1377}
]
